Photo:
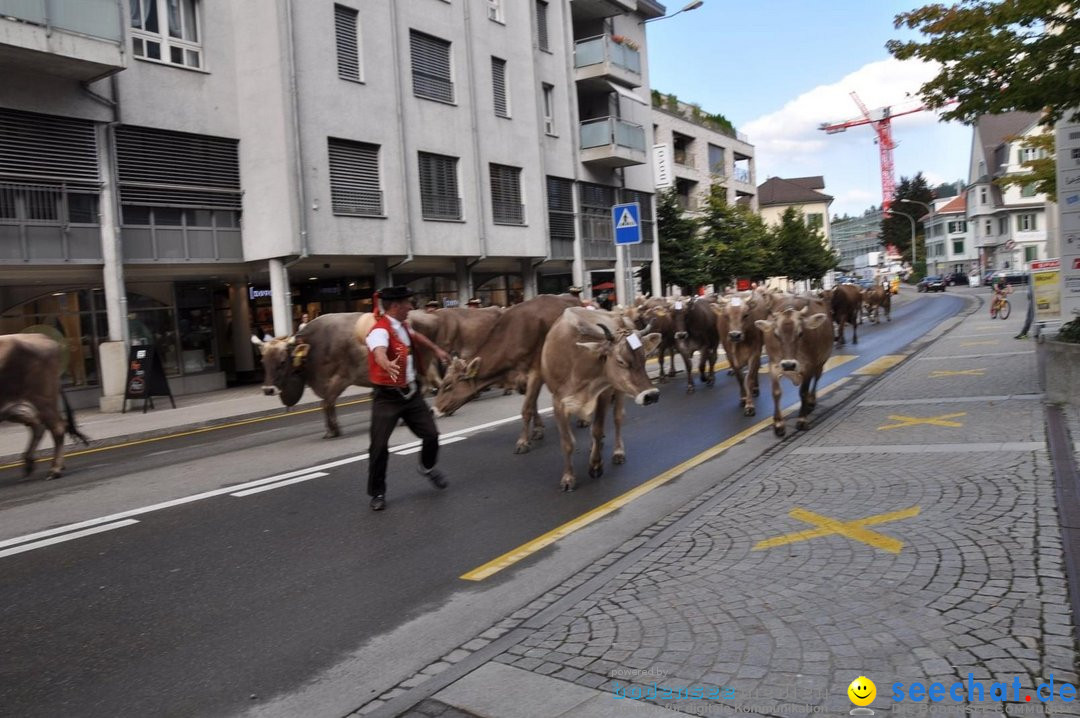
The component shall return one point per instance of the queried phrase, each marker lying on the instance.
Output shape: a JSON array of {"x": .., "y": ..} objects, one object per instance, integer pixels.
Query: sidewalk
[{"x": 911, "y": 536}]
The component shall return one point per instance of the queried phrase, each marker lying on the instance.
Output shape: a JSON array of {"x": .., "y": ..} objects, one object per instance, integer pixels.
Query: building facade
[
  {"x": 948, "y": 245},
  {"x": 700, "y": 154},
  {"x": 182, "y": 173},
  {"x": 853, "y": 237},
  {"x": 776, "y": 195}
]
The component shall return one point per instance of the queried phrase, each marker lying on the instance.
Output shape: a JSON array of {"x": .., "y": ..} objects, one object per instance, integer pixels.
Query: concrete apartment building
[
  {"x": 948, "y": 245},
  {"x": 181, "y": 172},
  {"x": 852, "y": 237},
  {"x": 700, "y": 154},
  {"x": 1009, "y": 227}
]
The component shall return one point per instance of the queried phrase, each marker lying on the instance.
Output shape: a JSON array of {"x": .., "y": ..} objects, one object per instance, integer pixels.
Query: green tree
[
  {"x": 682, "y": 261},
  {"x": 896, "y": 230},
  {"x": 736, "y": 240},
  {"x": 798, "y": 250},
  {"x": 996, "y": 56},
  {"x": 1043, "y": 170}
]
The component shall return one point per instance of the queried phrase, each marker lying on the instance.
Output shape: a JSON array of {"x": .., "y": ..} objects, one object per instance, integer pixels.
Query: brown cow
[
  {"x": 30, "y": 395},
  {"x": 589, "y": 361},
  {"x": 659, "y": 314},
  {"x": 846, "y": 305},
  {"x": 742, "y": 341},
  {"x": 799, "y": 342},
  {"x": 511, "y": 349},
  {"x": 458, "y": 330},
  {"x": 878, "y": 298},
  {"x": 329, "y": 355},
  {"x": 696, "y": 330}
]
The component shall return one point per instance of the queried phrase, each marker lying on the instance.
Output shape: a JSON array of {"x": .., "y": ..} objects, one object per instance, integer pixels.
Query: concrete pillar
[
  {"x": 280, "y": 298},
  {"x": 111, "y": 248},
  {"x": 241, "y": 323},
  {"x": 464, "y": 280},
  {"x": 621, "y": 289},
  {"x": 382, "y": 273},
  {"x": 528, "y": 279},
  {"x": 577, "y": 270},
  {"x": 654, "y": 270},
  {"x": 113, "y": 357}
]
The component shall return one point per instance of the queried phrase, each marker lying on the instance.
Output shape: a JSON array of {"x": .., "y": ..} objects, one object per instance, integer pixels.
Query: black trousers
[{"x": 389, "y": 406}]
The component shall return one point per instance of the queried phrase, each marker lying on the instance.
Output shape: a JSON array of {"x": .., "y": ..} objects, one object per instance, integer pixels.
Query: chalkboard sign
[{"x": 145, "y": 378}]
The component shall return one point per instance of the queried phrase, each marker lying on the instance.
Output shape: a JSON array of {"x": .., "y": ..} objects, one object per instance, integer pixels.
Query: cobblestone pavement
[{"x": 924, "y": 552}]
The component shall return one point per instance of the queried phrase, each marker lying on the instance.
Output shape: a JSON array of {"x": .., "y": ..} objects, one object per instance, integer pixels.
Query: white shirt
[{"x": 378, "y": 337}]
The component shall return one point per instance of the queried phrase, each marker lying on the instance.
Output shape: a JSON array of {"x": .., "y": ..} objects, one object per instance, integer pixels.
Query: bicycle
[{"x": 1000, "y": 307}]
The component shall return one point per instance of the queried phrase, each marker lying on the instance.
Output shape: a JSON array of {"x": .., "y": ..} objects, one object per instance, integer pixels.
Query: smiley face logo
[{"x": 862, "y": 691}]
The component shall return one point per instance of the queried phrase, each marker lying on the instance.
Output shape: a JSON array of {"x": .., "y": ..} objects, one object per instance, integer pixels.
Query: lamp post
[
  {"x": 694, "y": 5},
  {"x": 931, "y": 211},
  {"x": 912, "y": 220}
]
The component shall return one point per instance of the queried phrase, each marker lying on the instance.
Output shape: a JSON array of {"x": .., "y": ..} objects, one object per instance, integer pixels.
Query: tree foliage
[
  {"x": 798, "y": 251},
  {"x": 896, "y": 229},
  {"x": 736, "y": 240},
  {"x": 1043, "y": 170},
  {"x": 996, "y": 56},
  {"x": 682, "y": 261}
]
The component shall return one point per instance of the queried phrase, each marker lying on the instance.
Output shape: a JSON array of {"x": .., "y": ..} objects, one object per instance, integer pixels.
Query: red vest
[{"x": 396, "y": 349}]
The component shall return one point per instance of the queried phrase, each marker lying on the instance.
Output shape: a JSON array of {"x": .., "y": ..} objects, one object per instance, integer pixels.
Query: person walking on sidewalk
[{"x": 397, "y": 395}]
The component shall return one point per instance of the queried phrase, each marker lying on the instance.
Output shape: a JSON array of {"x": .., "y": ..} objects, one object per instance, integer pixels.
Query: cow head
[
  {"x": 679, "y": 309},
  {"x": 739, "y": 312},
  {"x": 283, "y": 363},
  {"x": 460, "y": 383},
  {"x": 622, "y": 356},
  {"x": 784, "y": 333}
]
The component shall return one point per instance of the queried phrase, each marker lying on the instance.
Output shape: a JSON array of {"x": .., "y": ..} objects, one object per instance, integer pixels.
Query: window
[
  {"x": 1025, "y": 223},
  {"x": 541, "y": 25},
  {"x": 958, "y": 246},
  {"x": 989, "y": 228},
  {"x": 560, "y": 199},
  {"x": 982, "y": 195},
  {"x": 1028, "y": 190},
  {"x": 957, "y": 227},
  {"x": 815, "y": 220},
  {"x": 1031, "y": 253},
  {"x": 439, "y": 198},
  {"x": 549, "y": 109},
  {"x": 166, "y": 31},
  {"x": 1029, "y": 154},
  {"x": 1003, "y": 225},
  {"x": 498, "y": 87},
  {"x": 716, "y": 160},
  {"x": 506, "y": 206},
  {"x": 495, "y": 11},
  {"x": 348, "y": 43},
  {"x": 354, "y": 178},
  {"x": 431, "y": 67}
]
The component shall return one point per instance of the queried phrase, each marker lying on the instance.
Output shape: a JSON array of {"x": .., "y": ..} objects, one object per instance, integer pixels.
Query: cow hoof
[
  {"x": 522, "y": 447},
  {"x": 332, "y": 434},
  {"x": 802, "y": 424},
  {"x": 749, "y": 411},
  {"x": 28, "y": 468},
  {"x": 689, "y": 390},
  {"x": 567, "y": 483},
  {"x": 710, "y": 381},
  {"x": 780, "y": 431},
  {"x": 756, "y": 391},
  {"x": 581, "y": 423},
  {"x": 52, "y": 475},
  {"x": 537, "y": 433},
  {"x": 595, "y": 472},
  {"x": 618, "y": 458}
]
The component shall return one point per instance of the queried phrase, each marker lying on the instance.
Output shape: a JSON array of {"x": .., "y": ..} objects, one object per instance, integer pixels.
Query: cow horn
[
  {"x": 648, "y": 328},
  {"x": 607, "y": 333}
]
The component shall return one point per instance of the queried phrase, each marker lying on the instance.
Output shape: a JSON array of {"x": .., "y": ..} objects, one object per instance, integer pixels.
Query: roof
[
  {"x": 993, "y": 129},
  {"x": 956, "y": 204},
  {"x": 777, "y": 190}
]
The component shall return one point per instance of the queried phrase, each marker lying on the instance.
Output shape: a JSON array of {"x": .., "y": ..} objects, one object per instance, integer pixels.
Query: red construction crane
[{"x": 881, "y": 121}]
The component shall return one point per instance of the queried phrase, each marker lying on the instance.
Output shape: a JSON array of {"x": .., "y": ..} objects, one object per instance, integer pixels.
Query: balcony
[
  {"x": 598, "y": 9},
  {"x": 75, "y": 39},
  {"x": 610, "y": 142},
  {"x": 599, "y": 60}
]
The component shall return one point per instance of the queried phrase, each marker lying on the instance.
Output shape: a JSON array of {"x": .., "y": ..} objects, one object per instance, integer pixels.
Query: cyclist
[{"x": 1001, "y": 291}]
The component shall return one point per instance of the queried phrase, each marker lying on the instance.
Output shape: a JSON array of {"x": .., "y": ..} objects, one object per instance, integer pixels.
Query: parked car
[
  {"x": 932, "y": 283},
  {"x": 1011, "y": 277},
  {"x": 954, "y": 279}
]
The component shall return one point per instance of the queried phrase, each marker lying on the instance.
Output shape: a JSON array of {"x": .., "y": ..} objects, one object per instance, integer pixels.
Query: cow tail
[{"x": 70, "y": 415}]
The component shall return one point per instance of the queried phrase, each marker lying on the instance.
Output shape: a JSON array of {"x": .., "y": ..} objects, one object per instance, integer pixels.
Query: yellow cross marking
[
  {"x": 915, "y": 420},
  {"x": 854, "y": 530},
  {"x": 975, "y": 344},
  {"x": 881, "y": 365},
  {"x": 938, "y": 373}
]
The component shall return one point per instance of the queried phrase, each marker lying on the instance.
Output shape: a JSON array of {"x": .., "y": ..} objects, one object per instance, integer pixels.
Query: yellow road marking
[
  {"x": 880, "y": 365},
  {"x": 854, "y": 530},
  {"x": 838, "y": 360},
  {"x": 193, "y": 432},
  {"x": 938, "y": 373},
  {"x": 915, "y": 421},
  {"x": 976, "y": 344},
  {"x": 527, "y": 549}
]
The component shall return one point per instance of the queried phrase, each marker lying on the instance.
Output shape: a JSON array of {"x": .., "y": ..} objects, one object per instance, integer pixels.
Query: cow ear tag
[
  {"x": 678, "y": 306},
  {"x": 736, "y": 302},
  {"x": 633, "y": 341}
]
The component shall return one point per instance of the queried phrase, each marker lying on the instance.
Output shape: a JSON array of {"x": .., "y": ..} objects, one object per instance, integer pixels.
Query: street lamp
[
  {"x": 694, "y": 5},
  {"x": 912, "y": 220},
  {"x": 931, "y": 211}
]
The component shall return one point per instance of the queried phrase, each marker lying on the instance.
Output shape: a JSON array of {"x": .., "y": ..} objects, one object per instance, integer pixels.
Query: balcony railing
[
  {"x": 95, "y": 18},
  {"x": 612, "y": 131},
  {"x": 741, "y": 175},
  {"x": 435, "y": 206},
  {"x": 508, "y": 212},
  {"x": 595, "y": 50}
]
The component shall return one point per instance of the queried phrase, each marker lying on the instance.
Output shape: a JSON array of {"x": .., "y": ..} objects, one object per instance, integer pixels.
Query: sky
[{"x": 780, "y": 68}]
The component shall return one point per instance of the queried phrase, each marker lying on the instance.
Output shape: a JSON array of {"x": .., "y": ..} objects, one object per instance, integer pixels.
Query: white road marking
[
  {"x": 414, "y": 447},
  {"x": 278, "y": 485},
  {"x": 66, "y": 537}
]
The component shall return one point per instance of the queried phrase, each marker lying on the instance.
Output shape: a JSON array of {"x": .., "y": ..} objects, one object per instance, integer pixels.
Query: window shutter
[
  {"x": 498, "y": 83},
  {"x": 45, "y": 147},
  {"x": 354, "y": 178},
  {"x": 506, "y": 195},
  {"x": 177, "y": 169},
  {"x": 348, "y": 48},
  {"x": 560, "y": 194},
  {"x": 431, "y": 67},
  {"x": 438, "y": 187},
  {"x": 541, "y": 25}
]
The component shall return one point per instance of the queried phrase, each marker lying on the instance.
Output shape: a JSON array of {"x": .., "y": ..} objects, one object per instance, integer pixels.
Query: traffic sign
[
  {"x": 626, "y": 218},
  {"x": 1010, "y": 245}
]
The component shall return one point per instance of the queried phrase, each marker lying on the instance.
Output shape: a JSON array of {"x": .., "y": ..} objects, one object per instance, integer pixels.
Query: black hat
[{"x": 392, "y": 294}]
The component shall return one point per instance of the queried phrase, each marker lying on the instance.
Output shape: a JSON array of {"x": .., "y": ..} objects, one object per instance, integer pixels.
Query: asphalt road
[{"x": 213, "y": 606}]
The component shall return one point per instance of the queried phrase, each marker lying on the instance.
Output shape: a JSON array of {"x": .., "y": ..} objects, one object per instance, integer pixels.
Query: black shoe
[
  {"x": 378, "y": 503},
  {"x": 436, "y": 477},
  {"x": 1020, "y": 336}
]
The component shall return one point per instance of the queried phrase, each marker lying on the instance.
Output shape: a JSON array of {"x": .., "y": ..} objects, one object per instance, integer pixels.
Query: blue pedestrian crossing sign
[{"x": 626, "y": 218}]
